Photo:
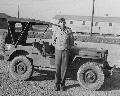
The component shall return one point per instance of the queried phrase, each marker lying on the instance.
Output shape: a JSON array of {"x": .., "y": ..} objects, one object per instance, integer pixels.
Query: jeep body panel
[
  {"x": 31, "y": 52},
  {"x": 93, "y": 53},
  {"x": 11, "y": 49}
]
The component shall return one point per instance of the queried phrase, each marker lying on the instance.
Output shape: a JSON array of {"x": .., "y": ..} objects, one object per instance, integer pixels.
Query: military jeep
[{"x": 24, "y": 54}]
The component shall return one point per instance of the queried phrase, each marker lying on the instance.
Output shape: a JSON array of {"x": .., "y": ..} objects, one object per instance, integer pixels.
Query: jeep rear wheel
[
  {"x": 21, "y": 68},
  {"x": 90, "y": 76}
]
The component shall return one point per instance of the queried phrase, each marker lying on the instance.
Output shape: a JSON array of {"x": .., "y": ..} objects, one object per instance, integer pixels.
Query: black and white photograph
[{"x": 59, "y": 48}]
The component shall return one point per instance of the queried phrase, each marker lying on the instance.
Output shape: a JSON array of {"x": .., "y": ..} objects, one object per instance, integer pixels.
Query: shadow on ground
[
  {"x": 41, "y": 75},
  {"x": 112, "y": 83}
]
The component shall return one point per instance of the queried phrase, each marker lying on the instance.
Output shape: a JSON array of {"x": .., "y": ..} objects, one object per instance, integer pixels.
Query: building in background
[{"x": 101, "y": 25}]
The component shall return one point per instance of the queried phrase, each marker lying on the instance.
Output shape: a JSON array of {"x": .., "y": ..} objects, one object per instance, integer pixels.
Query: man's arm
[
  {"x": 71, "y": 38},
  {"x": 54, "y": 36}
]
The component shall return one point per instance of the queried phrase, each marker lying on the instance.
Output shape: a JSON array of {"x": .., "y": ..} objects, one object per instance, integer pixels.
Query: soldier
[{"x": 62, "y": 39}]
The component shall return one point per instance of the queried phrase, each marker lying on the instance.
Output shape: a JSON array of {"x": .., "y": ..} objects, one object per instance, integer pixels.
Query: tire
[
  {"x": 21, "y": 68},
  {"x": 90, "y": 76}
]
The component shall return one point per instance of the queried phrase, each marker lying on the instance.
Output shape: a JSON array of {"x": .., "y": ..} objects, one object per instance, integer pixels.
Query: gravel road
[{"x": 42, "y": 84}]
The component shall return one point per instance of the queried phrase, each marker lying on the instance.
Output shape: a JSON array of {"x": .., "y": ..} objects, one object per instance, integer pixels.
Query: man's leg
[
  {"x": 58, "y": 67},
  {"x": 64, "y": 66}
]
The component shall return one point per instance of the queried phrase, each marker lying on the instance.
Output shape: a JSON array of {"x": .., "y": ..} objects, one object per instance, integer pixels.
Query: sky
[{"x": 47, "y": 9}]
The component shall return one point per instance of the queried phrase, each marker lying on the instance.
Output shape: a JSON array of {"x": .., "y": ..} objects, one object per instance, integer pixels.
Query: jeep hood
[{"x": 86, "y": 52}]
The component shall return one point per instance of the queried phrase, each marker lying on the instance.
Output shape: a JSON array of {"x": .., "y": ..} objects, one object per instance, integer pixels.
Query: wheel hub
[
  {"x": 21, "y": 68},
  {"x": 90, "y": 76}
]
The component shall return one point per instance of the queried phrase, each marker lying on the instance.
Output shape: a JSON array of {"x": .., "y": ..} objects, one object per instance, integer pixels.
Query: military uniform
[{"x": 62, "y": 40}]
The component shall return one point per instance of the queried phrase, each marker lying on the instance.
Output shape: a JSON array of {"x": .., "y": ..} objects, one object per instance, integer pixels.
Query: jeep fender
[
  {"x": 86, "y": 59},
  {"x": 20, "y": 50},
  {"x": 17, "y": 53}
]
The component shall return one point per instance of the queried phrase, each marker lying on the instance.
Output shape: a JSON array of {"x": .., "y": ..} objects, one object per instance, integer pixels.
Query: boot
[{"x": 57, "y": 87}]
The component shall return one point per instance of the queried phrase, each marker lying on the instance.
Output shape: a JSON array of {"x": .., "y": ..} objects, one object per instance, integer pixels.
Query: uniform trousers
[{"x": 61, "y": 60}]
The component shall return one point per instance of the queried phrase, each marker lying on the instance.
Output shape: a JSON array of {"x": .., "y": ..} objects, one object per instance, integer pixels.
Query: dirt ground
[{"x": 42, "y": 84}]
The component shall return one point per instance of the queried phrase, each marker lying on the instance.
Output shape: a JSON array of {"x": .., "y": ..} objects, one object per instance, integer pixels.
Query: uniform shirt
[{"x": 62, "y": 39}]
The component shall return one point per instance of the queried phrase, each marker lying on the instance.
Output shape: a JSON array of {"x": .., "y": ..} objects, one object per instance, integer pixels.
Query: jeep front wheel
[
  {"x": 20, "y": 68},
  {"x": 90, "y": 76}
]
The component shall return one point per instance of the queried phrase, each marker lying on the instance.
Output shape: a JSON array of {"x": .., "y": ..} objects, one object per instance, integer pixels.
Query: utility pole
[
  {"x": 92, "y": 17},
  {"x": 18, "y": 12}
]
